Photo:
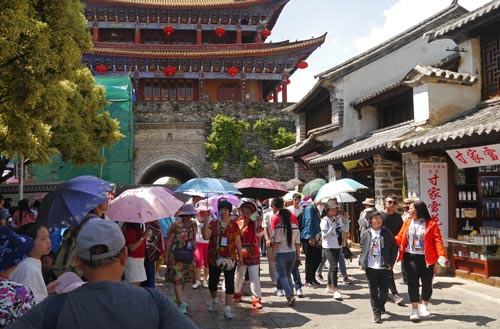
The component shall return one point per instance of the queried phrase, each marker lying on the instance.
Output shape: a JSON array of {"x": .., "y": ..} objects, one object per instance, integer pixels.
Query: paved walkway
[{"x": 456, "y": 303}]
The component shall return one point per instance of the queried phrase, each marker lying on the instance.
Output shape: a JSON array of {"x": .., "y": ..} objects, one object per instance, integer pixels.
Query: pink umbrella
[
  {"x": 143, "y": 204},
  {"x": 260, "y": 188},
  {"x": 233, "y": 199}
]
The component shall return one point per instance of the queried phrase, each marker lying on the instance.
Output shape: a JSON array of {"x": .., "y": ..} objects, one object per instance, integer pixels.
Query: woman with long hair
[
  {"x": 23, "y": 215},
  {"x": 286, "y": 248},
  {"x": 420, "y": 247}
]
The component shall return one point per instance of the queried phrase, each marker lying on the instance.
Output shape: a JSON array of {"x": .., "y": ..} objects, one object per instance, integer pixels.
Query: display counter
[{"x": 481, "y": 256}]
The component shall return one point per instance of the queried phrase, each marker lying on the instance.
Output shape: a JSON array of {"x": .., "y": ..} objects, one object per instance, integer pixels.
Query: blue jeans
[
  {"x": 297, "y": 282},
  {"x": 286, "y": 261}
]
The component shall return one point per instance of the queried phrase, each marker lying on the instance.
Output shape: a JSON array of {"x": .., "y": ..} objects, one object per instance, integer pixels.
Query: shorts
[{"x": 134, "y": 270}]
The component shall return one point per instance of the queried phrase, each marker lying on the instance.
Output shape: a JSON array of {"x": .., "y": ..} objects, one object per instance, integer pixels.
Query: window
[
  {"x": 168, "y": 89},
  {"x": 396, "y": 110},
  {"x": 320, "y": 115},
  {"x": 490, "y": 58}
]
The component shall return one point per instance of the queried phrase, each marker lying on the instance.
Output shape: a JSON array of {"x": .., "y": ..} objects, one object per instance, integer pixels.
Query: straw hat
[{"x": 369, "y": 201}]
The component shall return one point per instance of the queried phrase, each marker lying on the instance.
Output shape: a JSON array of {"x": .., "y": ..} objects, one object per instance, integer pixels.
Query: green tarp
[{"x": 119, "y": 165}]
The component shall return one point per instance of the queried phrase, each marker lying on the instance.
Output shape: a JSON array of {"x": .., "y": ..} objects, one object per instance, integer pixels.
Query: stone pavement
[{"x": 456, "y": 303}]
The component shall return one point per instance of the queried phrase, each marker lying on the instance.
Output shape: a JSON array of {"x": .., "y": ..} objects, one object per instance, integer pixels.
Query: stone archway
[{"x": 173, "y": 166}]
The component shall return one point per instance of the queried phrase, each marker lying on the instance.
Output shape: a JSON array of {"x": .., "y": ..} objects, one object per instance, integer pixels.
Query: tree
[{"x": 48, "y": 101}]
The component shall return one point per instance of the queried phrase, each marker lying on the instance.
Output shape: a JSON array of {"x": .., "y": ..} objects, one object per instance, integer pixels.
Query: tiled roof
[
  {"x": 421, "y": 73},
  {"x": 181, "y": 3},
  {"x": 483, "y": 121},
  {"x": 468, "y": 21},
  {"x": 316, "y": 90},
  {"x": 196, "y": 51},
  {"x": 400, "y": 40},
  {"x": 375, "y": 94},
  {"x": 366, "y": 145}
]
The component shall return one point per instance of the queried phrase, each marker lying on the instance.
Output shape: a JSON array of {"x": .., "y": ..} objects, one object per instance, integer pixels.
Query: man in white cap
[{"x": 104, "y": 301}]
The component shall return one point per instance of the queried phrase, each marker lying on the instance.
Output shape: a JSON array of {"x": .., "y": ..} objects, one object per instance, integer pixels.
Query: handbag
[
  {"x": 318, "y": 239},
  {"x": 185, "y": 255},
  {"x": 154, "y": 245},
  {"x": 223, "y": 263},
  {"x": 347, "y": 253}
]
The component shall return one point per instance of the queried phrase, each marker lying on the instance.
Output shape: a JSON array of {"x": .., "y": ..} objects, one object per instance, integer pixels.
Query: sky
[{"x": 353, "y": 26}]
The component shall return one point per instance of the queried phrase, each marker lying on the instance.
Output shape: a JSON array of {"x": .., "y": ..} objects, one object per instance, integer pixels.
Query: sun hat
[
  {"x": 331, "y": 203},
  {"x": 248, "y": 204},
  {"x": 187, "y": 209},
  {"x": 369, "y": 201},
  {"x": 67, "y": 282},
  {"x": 13, "y": 248},
  {"x": 203, "y": 206},
  {"x": 99, "y": 233}
]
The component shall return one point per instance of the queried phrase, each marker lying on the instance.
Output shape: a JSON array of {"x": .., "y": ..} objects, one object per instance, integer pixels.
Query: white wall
[
  {"x": 447, "y": 102},
  {"x": 379, "y": 74}
]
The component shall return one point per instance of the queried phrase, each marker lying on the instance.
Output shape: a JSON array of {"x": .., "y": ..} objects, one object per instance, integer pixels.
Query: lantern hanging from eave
[
  {"x": 270, "y": 98},
  {"x": 288, "y": 81},
  {"x": 220, "y": 31},
  {"x": 169, "y": 29},
  {"x": 170, "y": 70},
  {"x": 279, "y": 89},
  {"x": 302, "y": 65},
  {"x": 265, "y": 33},
  {"x": 101, "y": 69},
  {"x": 232, "y": 71}
]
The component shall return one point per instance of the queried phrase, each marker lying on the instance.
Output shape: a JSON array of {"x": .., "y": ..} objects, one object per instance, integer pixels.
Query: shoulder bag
[{"x": 185, "y": 255}]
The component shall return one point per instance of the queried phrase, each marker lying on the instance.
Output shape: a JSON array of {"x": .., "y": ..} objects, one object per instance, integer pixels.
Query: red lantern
[
  {"x": 265, "y": 33},
  {"x": 170, "y": 70},
  {"x": 280, "y": 89},
  {"x": 302, "y": 65},
  {"x": 288, "y": 81},
  {"x": 220, "y": 31},
  {"x": 270, "y": 98},
  {"x": 101, "y": 69},
  {"x": 232, "y": 71},
  {"x": 168, "y": 30}
]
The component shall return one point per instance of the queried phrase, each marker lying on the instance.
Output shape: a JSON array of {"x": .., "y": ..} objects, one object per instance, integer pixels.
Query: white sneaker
[
  {"x": 280, "y": 293},
  {"x": 329, "y": 291},
  {"x": 205, "y": 284},
  {"x": 424, "y": 311},
  {"x": 228, "y": 314},
  {"x": 337, "y": 295},
  {"x": 299, "y": 293},
  {"x": 196, "y": 285},
  {"x": 213, "y": 306},
  {"x": 414, "y": 316}
]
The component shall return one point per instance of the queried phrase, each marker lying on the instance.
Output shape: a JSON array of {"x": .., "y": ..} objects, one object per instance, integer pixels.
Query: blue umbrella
[
  {"x": 71, "y": 201},
  {"x": 207, "y": 185}
]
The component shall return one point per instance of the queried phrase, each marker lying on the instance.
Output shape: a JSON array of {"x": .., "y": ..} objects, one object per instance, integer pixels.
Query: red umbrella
[{"x": 260, "y": 188}]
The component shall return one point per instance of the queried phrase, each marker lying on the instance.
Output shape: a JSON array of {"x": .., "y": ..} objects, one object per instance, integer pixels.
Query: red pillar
[
  {"x": 238, "y": 34},
  {"x": 199, "y": 35},
  {"x": 283, "y": 90},
  {"x": 95, "y": 33},
  {"x": 137, "y": 38}
]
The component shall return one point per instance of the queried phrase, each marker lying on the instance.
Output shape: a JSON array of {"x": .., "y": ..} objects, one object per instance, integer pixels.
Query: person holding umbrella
[{"x": 180, "y": 253}]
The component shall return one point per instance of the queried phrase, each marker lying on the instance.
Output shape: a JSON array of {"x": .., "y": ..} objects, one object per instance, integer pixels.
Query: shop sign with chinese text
[
  {"x": 434, "y": 192},
  {"x": 477, "y": 156}
]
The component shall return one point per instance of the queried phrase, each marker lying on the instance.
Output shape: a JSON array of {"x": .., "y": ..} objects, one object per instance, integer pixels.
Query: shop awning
[
  {"x": 367, "y": 145},
  {"x": 476, "y": 126}
]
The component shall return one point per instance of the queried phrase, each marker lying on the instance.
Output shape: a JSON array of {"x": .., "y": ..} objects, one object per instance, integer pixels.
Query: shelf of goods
[{"x": 477, "y": 254}]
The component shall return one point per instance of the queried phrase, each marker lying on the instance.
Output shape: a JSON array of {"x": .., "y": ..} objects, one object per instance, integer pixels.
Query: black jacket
[{"x": 388, "y": 248}]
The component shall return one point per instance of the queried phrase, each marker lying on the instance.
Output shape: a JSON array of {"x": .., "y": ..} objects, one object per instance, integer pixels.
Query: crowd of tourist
[{"x": 199, "y": 243}]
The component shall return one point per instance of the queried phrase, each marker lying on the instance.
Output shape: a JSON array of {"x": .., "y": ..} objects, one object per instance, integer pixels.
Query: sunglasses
[{"x": 390, "y": 201}]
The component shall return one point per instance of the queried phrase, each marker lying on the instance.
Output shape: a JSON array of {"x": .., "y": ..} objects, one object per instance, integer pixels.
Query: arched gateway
[{"x": 179, "y": 167}]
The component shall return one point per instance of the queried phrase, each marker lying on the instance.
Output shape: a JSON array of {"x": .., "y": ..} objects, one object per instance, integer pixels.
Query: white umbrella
[{"x": 333, "y": 189}]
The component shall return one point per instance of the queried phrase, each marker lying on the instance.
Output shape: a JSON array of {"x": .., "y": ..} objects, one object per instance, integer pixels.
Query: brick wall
[{"x": 388, "y": 178}]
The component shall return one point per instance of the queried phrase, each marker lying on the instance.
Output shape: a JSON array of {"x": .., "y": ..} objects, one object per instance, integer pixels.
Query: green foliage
[
  {"x": 254, "y": 167},
  {"x": 48, "y": 101},
  {"x": 225, "y": 139},
  {"x": 273, "y": 136}
]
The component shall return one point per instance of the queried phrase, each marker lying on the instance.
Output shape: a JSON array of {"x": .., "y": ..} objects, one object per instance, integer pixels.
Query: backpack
[{"x": 65, "y": 256}]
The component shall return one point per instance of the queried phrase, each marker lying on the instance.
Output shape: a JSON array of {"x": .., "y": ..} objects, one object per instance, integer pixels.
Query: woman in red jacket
[{"x": 421, "y": 246}]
